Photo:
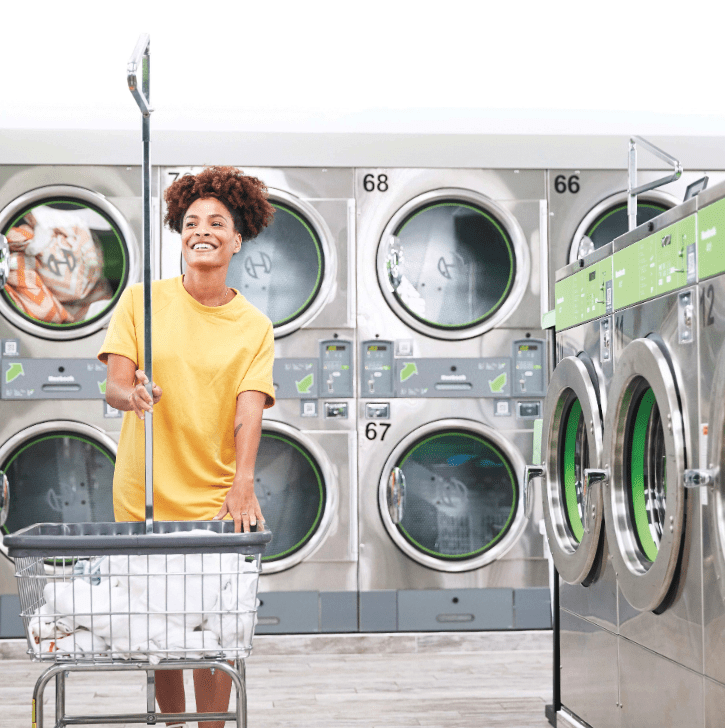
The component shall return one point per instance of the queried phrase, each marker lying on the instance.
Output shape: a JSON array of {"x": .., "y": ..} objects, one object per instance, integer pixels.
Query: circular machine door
[
  {"x": 644, "y": 496},
  {"x": 452, "y": 264},
  {"x": 572, "y": 443},
  {"x": 287, "y": 271},
  {"x": 462, "y": 507},
  {"x": 59, "y": 472},
  {"x": 608, "y": 220},
  {"x": 297, "y": 493},
  {"x": 72, "y": 254}
]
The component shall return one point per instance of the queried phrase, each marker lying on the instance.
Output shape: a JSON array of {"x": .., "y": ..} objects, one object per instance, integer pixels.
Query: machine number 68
[{"x": 371, "y": 430}]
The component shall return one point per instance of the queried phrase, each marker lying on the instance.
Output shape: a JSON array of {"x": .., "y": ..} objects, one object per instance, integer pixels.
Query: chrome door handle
[
  {"x": 395, "y": 495},
  {"x": 592, "y": 476},
  {"x": 531, "y": 472},
  {"x": 4, "y": 498},
  {"x": 394, "y": 263},
  {"x": 4, "y": 261},
  {"x": 700, "y": 478}
]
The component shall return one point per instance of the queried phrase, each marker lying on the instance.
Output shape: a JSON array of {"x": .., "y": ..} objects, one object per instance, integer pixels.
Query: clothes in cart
[{"x": 183, "y": 605}]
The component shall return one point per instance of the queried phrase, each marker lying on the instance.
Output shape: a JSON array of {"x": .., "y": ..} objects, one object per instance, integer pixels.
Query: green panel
[
  {"x": 582, "y": 296},
  {"x": 711, "y": 243},
  {"x": 570, "y": 495},
  {"x": 637, "y": 476},
  {"x": 653, "y": 266}
]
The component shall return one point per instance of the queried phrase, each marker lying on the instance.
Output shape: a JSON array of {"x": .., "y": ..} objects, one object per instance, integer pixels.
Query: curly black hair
[{"x": 245, "y": 198}]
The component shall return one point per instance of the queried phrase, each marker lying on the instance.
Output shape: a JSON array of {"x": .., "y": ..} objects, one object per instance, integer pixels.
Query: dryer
[
  {"x": 572, "y": 445},
  {"x": 452, "y": 376},
  {"x": 711, "y": 274},
  {"x": 299, "y": 272},
  {"x": 74, "y": 248},
  {"x": 651, "y": 437}
]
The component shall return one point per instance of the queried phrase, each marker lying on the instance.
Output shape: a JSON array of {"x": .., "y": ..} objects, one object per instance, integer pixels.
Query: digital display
[
  {"x": 335, "y": 347},
  {"x": 528, "y": 347},
  {"x": 592, "y": 275},
  {"x": 377, "y": 347}
]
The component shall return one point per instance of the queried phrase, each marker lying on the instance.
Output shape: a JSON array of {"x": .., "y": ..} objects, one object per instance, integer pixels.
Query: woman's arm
[
  {"x": 125, "y": 388},
  {"x": 241, "y": 502}
]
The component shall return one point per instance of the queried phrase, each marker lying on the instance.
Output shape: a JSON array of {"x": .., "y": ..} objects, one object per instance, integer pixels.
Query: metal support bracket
[
  {"x": 633, "y": 189},
  {"x": 592, "y": 476}
]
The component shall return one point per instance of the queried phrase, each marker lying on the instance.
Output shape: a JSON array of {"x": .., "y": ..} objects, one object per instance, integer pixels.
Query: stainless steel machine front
[
  {"x": 299, "y": 271},
  {"x": 73, "y": 236}
]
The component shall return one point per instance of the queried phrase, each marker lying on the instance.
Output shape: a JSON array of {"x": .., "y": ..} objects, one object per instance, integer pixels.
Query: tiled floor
[{"x": 450, "y": 680}]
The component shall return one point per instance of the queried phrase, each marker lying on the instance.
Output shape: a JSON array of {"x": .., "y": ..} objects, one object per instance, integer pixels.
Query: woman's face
[{"x": 208, "y": 237}]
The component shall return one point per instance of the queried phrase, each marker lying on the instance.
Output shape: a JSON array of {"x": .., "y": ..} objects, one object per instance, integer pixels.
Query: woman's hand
[
  {"x": 139, "y": 398},
  {"x": 242, "y": 505}
]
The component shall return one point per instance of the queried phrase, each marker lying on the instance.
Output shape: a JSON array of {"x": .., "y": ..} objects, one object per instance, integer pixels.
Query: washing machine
[
  {"x": 588, "y": 208},
  {"x": 711, "y": 274},
  {"x": 75, "y": 237},
  {"x": 653, "y": 523},
  {"x": 572, "y": 445},
  {"x": 299, "y": 271}
]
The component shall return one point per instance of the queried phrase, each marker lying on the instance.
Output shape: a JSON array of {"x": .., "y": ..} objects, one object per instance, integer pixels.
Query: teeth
[{"x": 202, "y": 246}]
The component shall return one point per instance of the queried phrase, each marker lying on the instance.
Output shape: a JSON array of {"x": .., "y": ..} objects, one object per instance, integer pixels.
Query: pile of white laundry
[{"x": 157, "y": 606}]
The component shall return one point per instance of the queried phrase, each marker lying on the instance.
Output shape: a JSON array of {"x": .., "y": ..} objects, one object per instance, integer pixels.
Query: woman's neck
[{"x": 209, "y": 289}]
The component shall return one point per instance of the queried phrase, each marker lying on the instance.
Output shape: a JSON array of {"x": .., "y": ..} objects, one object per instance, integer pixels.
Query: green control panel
[
  {"x": 658, "y": 264},
  {"x": 711, "y": 242},
  {"x": 585, "y": 295}
]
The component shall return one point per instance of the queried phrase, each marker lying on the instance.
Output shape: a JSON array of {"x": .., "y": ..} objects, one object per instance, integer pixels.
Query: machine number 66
[{"x": 371, "y": 431}]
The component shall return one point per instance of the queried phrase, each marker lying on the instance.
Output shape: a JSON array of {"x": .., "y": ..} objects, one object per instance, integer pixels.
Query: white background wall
[{"x": 466, "y": 66}]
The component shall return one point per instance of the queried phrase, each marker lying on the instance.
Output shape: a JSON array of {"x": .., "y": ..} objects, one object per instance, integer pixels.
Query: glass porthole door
[
  {"x": 462, "y": 506},
  {"x": 645, "y": 503},
  {"x": 286, "y": 271},
  {"x": 608, "y": 220},
  {"x": 59, "y": 472},
  {"x": 452, "y": 264},
  {"x": 296, "y": 492},
  {"x": 71, "y": 256},
  {"x": 572, "y": 444}
]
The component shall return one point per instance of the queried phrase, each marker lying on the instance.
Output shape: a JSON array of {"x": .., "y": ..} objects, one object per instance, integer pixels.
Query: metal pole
[
  {"x": 632, "y": 198},
  {"x": 141, "y": 55}
]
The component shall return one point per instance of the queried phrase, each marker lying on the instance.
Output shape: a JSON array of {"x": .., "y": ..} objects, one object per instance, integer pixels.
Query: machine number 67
[{"x": 371, "y": 431}]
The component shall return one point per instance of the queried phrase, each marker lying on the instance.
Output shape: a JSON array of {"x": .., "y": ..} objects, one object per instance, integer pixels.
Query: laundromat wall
[{"x": 411, "y": 363}]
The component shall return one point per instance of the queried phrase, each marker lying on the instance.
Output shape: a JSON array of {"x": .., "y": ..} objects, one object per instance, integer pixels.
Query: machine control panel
[
  {"x": 377, "y": 369},
  {"x": 377, "y": 410},
  {"x": 529, "y": 367},
  {"x": 329, "y": 375},
  {"x": 52, "y": 379},
  {"x": 336, "y": 368},
  {"x": 711, "y": 243},
  {"x": 336, "y": 410}
]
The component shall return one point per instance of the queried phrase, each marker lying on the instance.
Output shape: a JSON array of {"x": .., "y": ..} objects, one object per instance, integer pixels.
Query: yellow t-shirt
[{"x": 203, "y": 358}]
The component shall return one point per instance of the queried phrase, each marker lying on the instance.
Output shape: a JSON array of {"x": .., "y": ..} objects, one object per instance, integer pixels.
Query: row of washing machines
[
  {"x": 410, "y": 369},
  {"x": 633, "y": 435}
]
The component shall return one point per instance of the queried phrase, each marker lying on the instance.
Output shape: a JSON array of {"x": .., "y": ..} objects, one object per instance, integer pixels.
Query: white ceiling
[{"x": 459, "y": 66}]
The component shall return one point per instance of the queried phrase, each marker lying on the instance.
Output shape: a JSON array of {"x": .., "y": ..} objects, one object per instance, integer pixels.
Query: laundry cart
[{"x": 111, "y": 597}]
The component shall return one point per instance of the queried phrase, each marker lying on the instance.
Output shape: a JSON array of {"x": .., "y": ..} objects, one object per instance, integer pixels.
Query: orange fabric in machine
[{"x": 55, "y": 272}]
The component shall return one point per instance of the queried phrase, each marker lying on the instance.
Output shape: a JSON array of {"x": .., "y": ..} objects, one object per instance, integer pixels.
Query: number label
[
  {"x": 707, "y": 301},
  {"x": 371, "y": 431},
  {"x": 174, "y": 175},
  {"x": 562, "y": 183},
  {"x": 372, "y": 183}
]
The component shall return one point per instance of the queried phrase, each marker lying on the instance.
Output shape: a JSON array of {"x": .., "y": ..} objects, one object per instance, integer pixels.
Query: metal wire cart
[
  {"x": 109, "y": 596},
  {"x": 144, "y": 595}
]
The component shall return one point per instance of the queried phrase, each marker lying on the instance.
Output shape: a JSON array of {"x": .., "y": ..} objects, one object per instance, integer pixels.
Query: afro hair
[{"x": 245, "y": 198}]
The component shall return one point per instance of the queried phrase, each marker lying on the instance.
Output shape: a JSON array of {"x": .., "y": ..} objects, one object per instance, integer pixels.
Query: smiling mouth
[{"x": 202, "y": 246}]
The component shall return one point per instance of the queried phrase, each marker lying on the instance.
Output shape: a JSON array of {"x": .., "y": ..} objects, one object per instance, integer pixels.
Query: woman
[{"x": 213, "y": 355}]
